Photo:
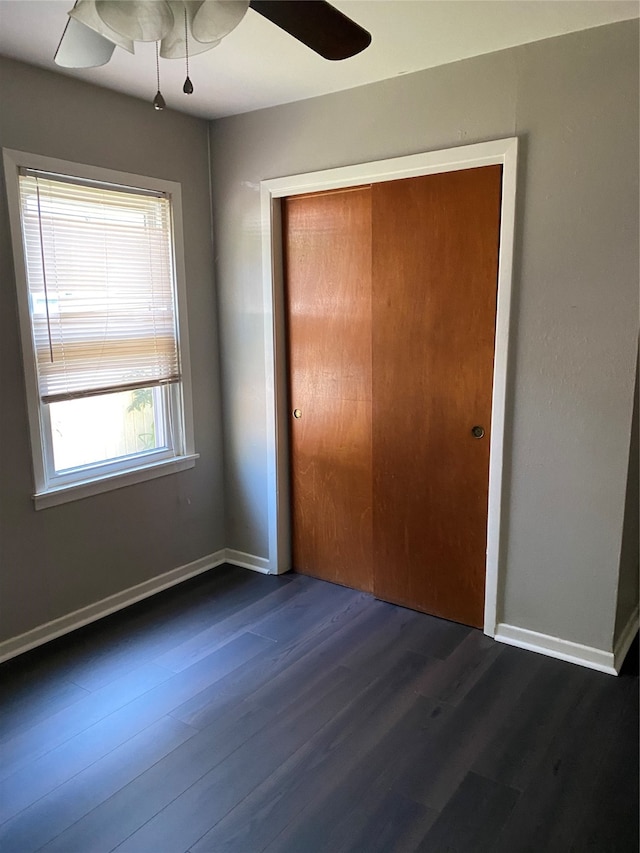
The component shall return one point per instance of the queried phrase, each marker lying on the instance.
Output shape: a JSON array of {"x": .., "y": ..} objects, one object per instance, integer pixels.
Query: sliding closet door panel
[
  {"x": 435, "y": 266},
  {"x": 327, "y": 254}
]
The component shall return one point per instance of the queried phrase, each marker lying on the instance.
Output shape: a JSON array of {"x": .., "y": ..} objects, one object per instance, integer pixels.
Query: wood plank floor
[{"x": 240, "y": 713}]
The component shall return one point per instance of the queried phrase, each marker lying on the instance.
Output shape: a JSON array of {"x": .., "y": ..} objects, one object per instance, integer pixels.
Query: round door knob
[
  {"x": 477, "y": 431},
  {"x": 297, "y": 413}
]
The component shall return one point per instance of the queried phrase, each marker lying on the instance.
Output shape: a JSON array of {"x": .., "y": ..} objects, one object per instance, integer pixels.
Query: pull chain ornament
[
  {"x": 188, "y": 85},
  {"x": 158, "y": 101}
]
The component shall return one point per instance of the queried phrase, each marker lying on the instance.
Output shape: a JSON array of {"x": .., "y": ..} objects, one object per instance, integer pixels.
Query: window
[{"x": 100, "y": 284}]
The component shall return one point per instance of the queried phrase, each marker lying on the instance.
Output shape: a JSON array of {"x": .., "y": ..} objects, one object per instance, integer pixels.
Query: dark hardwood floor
[{"x": 238, "y": 713}]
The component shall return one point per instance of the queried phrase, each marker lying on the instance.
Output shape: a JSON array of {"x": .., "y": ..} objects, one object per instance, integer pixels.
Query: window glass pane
[{"x": 92, "y": 430}]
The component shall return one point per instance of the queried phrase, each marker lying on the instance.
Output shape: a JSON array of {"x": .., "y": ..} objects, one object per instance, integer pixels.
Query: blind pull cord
[{"x": 44, "y": 271}]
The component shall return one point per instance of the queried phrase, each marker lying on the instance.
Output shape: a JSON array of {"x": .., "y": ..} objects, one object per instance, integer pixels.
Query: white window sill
[{"x": 98, "y": 485}]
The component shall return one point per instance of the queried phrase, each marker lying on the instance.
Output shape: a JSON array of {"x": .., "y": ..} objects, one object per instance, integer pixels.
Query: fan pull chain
[
  {"x": 158, "y": 101},
  {"x": 188, "y": 85}
]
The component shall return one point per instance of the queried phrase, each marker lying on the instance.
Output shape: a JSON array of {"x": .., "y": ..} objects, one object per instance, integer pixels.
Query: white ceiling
[{"x": 258, "y": 65}]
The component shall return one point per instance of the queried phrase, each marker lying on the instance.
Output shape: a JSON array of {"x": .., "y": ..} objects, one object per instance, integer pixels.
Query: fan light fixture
[
  {"x": 180, "y": 28},
  {"x": 184, "y": 28}
]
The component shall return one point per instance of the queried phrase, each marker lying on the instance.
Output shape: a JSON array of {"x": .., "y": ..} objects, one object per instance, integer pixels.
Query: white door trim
[{"x": 499, "y": 151}]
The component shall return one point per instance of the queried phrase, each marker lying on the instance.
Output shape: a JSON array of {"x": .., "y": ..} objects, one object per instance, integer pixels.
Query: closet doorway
[{"x": 407, "y": 489}]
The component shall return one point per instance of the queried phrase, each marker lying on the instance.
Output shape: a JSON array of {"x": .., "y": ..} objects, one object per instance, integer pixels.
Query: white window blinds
[{"x": 101, "y": 286}]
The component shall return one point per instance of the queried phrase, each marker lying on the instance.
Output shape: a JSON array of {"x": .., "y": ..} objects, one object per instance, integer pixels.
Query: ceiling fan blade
[
  {"x": 80, "y": 47},
  {"x": 317, "y": 24}
]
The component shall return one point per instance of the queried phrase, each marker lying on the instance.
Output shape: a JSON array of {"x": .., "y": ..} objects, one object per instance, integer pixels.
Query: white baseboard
[
  {"x": 626, "y": 638},
  {"x": 248, "y": 561},
  {"x": 593, "y": 658},
  {"x": 57, "y": 627},
  {"x": 556, "y": 647}
]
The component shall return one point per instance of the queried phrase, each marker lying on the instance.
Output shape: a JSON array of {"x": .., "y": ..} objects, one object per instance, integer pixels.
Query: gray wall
[
  {"x": 57, "y": 560},
  {"x": 629, "y": 588},
  {"x": 573, "y": 102}
]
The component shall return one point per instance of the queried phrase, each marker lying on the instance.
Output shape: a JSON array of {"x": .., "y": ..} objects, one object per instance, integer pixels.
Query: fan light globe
[
  {"x": 82, "y": 47},
  {"x": 215, "y": 20},
  {"x": 173, "y": 45},
  {"x": 85, "y": 12},
  {"x": 138, "y": 20}
]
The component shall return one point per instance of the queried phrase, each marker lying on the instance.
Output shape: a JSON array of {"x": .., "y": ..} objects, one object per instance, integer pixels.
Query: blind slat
[{"x": 101, "y": 287}]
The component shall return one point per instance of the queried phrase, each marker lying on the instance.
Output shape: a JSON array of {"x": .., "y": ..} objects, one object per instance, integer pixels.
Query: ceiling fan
[{"x": 183, "y": 28}]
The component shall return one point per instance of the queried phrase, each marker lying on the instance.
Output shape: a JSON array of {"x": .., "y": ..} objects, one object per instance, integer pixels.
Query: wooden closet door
[
  {"x": 327, "y": 255},
  {"x": 435, "y": 266}
]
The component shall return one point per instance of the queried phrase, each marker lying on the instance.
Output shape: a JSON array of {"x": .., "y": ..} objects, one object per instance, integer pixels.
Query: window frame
[{"x": 111, "y": 474}]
